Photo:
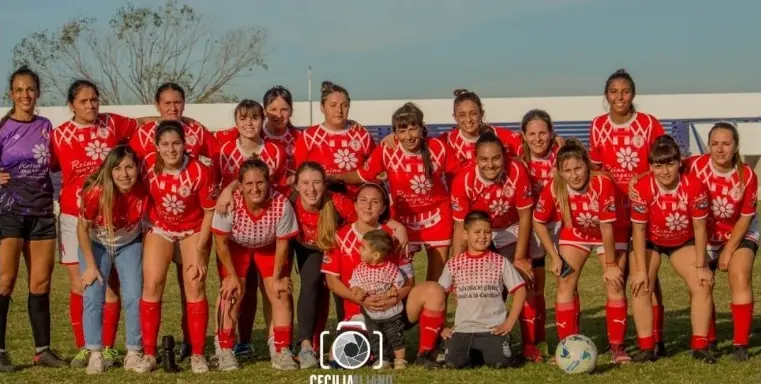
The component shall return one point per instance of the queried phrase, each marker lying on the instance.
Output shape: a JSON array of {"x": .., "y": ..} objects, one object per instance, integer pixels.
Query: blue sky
[{"x": 399, "y": 49}]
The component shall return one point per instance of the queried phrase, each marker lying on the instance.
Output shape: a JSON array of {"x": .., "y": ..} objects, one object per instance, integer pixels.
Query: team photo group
[{"x": 339, "y": 215}]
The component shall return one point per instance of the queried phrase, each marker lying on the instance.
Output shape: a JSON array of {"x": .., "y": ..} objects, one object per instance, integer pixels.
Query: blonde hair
[
  {"x": 736, "y": 159},
  {"x": 571, "y": 149},
  {"x": 327, "y": 221},
  {"x": 535, "y": 114}
]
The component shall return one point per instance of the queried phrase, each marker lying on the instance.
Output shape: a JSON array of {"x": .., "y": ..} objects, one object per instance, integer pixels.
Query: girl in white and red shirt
[
  {"x": 78, "y": 148},
  {"x": 260, "y": 225},
  {"x": 109, "y": 231},
  {"x": 732, "y": 224},
  {"x": 415, "y": 167},
  {"x": 338, "y": 144},
  {"x": 586, "y": 202},
  {"x": 669, "y": 215},
  {"x": 182, "y": 207}
]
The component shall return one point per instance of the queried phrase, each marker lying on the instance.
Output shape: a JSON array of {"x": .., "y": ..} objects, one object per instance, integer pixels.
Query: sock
[
  {"x": 615, "y": 314},
  {"x": 283, "y": 337},
  {"x": 541, "y": 319},
  {"x": 577, "y": 305},
  {"x": 698, "y": 342},
  {"x": 528, "y": 319},
  {"x": 198, "y": 320},
  {"x": 712, "y": 326},
  {"x": 226, "y": 338},
  {"x": 658, "y": 312},
  {"x": 431, "y": 323},
  {"x": 76, "y": 311},
  {"x": 646, "y": 343},
  {"x": 150, "y": 321},
  {"x": 5, "y": 302},
  {"x": 111, "y": 313},
  {"x": 566, "y": 319},
  {"x": 323, "y": 309},
  {"x": 38, "y": 307},
  {"x": 742, "y": 316}
]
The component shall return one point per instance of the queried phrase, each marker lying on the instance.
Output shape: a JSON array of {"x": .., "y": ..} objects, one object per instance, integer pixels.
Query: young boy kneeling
[{"x": 478, "y": 277}]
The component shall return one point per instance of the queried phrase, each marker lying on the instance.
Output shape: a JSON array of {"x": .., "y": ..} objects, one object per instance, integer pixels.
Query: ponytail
[
  {"x": 327, "y": 223},
  {"x": 571, "y": 149}
]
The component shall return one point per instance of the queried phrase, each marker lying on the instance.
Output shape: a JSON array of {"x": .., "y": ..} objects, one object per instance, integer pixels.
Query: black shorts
[
  {"x": 667, "y": 251},
  {"x": 15, "y": 226},
  {"x": 745, "y": 243},
  {"x": 493, "y": 350},
  {"x": 392, "y": 330}
]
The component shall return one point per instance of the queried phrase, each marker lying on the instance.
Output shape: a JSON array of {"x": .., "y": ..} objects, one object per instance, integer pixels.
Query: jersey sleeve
[
  {"x": 699, "y": 200},
  {"x": 595, "y": 154},
  {"x": 511, "y": 278},
  {"x": 55, "y": 164},
  {"x": 641, "y": 206},
  {"x": 607, "y": 200},
  {"x": 354, "y": 279},
  {"x": 511, "y": 141},
  {"x": 373, "y": 165},
  {"x": 331, "y": 261},
  {"x": 301, "y": 150},
  {"x": 89, "y": 211},
  {"x": 656, "y": 130},
  {"x": 281, "y": 161},
  {"x": 751, "y": 193},
  {"x": 222, "y": 225},
  {"x": 207, "y": 190},
  {"x": 370, "y": 144},
  {"x": 345, "y": 207},
  {"x": 136, "y": 144},
  {"x": 287, "y": 226},
  {"x": 445, "y": 280},
  {"x": 523, "y": 197},
  {"x": 545, "y": 205},
  {"x": 460, "y": 200},
  {"x": 125, "y": 127},
  {"x": 398, "y": 278}
]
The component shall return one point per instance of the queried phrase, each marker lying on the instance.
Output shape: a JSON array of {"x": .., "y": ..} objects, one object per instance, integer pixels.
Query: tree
[{"x": 142, "y": 48}]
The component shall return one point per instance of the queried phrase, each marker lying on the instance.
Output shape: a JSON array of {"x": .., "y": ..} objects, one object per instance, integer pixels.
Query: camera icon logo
[{"x": 351, "y": 348}]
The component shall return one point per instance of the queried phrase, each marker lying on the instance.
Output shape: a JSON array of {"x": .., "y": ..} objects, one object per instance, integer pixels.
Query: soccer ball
[{"x": 576, "y": 354}]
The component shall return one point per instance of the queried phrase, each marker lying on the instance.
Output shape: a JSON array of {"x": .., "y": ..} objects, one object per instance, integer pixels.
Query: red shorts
[
  {"x": 263, "y": 258},
  {"x": 620, "y": 235},
  {"x": 430, "y": 229}
]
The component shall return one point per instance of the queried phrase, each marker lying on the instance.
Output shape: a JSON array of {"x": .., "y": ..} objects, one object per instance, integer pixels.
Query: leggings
[{"x": 314, "y": 296}]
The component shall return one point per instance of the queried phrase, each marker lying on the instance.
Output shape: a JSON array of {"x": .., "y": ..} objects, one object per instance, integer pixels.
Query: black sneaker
[
  {"x": 660, "y": 350},
  {"x": 48, "y": 358},
  {"x": 5, "y": 363},
  {"x": 185, "y": 351},
  {"x": 740, "y": 353},
  {"x": 704, "y": 355},
  {"x": 645, "y": 356},
  {"x": 427, "y": 359}
]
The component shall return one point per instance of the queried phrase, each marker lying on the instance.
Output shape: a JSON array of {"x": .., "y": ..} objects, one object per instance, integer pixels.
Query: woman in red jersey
[
  {"x": 539, "y": 151},
  {"x": 78, "y": 148},
  {"x": 669, "y": 218},
  {"x": 338, "y": 144},
  {"x": 182, "y": 207},
  {"x": 109, "y": 231},
  {"x": 586, "y": 202},
  {"x": 733, "y": 227},
  {"x": 415, "y": 166},
  {"x": 278, "y": 108},
  {"x": 425, "y": 302},
  {"x": 256, "y": 231},
  {"x": 619, "y": 143}
]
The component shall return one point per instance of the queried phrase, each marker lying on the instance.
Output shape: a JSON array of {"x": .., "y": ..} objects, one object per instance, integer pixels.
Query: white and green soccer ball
[{"x": 576, "y": 354}]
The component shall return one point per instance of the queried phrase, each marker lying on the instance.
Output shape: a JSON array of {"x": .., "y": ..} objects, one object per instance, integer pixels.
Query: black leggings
[{"x": 314, "y": 291}]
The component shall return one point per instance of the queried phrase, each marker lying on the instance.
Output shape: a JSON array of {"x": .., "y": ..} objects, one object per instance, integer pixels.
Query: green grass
[{"x": 678, "y": 368}]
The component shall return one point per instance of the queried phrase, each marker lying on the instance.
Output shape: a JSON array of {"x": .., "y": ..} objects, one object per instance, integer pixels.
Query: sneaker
[
  {"x": 185, "y": 351},
  {"x": 618, "y": 354},
  {"x": 400, "y": 364},
  {"x": 307, "y": 358},
  {"x": 132, "y": 360},
  {"x": 48, "y": 358},
  {"x": 427, "y": 360},
  {"x": 244, "y": 351},
  {"x": 146, "y": 365},
  {"x": 198, "y": 364},
  {"x": 225, "y": 361},
  {"x": 660, "y": 349},
  {"x": 704, "y": 355},
  {"x": 284, "y": 360},
  {"x": 533, "y": 354},
  {"x": 81, "y": 359},
  {"x": 96, "y": 365},
  {"x": 5, "y": 362},
  {"x": 271, "y": 346},
  {"x": 110, "y": 356},
  {"x": 740, "y": 353},
  {"x": 544, "y": 349},
  {"x": 645, "y": 356}
]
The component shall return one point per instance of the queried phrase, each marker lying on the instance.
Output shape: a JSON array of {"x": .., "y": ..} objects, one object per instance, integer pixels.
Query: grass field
[{"x": 678, "y": 368}]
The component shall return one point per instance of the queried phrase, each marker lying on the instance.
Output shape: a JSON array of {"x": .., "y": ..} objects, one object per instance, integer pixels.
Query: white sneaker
[
  {"x": 271, "y": 345},
  {"x": 146, "y": 364},
  {"x": 198, "y": 364},
  {"x": 284, "y": 360},
  {"x": 132, "y": 360},
  {"x": 226, "y": 360},
  {"x": 96, "y": 364}
]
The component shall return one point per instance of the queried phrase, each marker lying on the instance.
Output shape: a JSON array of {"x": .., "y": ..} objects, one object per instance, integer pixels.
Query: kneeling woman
[
  {"x": 586, "y": 202},
  {"x": 109, "y": 234},
  {"x": 260, "y": 226},
  {"x": 669, "y": 211},
  {"x": 182, "y": 207}
]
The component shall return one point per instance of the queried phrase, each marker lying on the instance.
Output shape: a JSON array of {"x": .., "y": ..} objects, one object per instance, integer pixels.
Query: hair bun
[
  {"x": 327, "y": 86},
  {"x": 460, "y": 91},
  {"x": 621, "y": 72}
]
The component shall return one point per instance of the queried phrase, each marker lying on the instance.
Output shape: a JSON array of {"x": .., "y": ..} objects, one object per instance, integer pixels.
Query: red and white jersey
[
  {"x": 502, "y": 199},
  {"x": 309, "y": 220},
  {"x": 595, "y": 205},
  {"x": 412, "y": 191},
  {"x": 224, "y": 135},
  {"x": 377, "y": 279},
  {"x": 337, "y": 151},
  {"x": 79, "y": 150},
  {"x": 288, "y": 141},
  {"x": 198, "y": 140},
  {"x": 231, "y": 157},
  {"x": 541, "y": 169},
  {"x": 730, "y": 198},
  {"x": 464, "y": 149},
  {"x": 345, "y": 257},
  {"x": 669, "y": 214},
  {"x": 127, "y": 215},
  {"x": 276, "y": 221},
  {"x": 179, "y": 198}
]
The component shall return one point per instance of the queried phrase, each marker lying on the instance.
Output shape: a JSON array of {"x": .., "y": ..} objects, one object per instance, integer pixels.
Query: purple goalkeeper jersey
[{"x": 25, "y": 154}]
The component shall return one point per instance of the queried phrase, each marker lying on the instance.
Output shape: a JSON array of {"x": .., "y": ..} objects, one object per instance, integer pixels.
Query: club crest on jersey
[
  {"x": 594, "y": 205},
  {"x": 456, "y": 206},
  {"x": 184, "y": 191},
  {"x": 638, "y": 141},
  {"x": 735, "y": 193},
  {"x": 191, "y": 139},
  {"x": 103, "y": 132},
  {"x": 639, "y": 208},
  {"x": 326, "y": 259},
  {"x": 355, "y": 144}
]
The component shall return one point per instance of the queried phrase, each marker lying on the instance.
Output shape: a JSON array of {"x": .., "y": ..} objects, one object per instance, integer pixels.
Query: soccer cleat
[
  {"x": 427, "y": 360},
  {"x": 226, "y": 361},
  {"x": 618, "y": 354},
  {"x": 284, "y": 360},
  {"x": 198, "y": 364},
  {"x": 244, "y": 351},
  {"x": 132, "y": 360},
  {"x": 185, "y": 351},
  {"x": 81, "y": 359},
  {"x": 645, "y": 356},
  {"x": 660, "y": 349},
  {"x": 110, "y": 356},
  {"x": 704, "y": 355},
  {"x": 307, "y": 358},
  {"x": 96, "y": 365},
  {"x": 740, "y": 353},
  {"x": 5, "y": 362},
  {"x": 48, "y": 358},
  {"x": 532, "y": 354}
]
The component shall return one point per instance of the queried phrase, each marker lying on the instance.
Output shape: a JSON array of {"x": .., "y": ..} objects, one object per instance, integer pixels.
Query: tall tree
[{"x": 141, "y": 48}]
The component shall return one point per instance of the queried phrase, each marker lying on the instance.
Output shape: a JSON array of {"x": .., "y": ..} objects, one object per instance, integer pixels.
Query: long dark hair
[
  {"x": 21, "y": 71},
  {"x": 410, "y": 114},
  {"x": 621, "y": 74},
  {"x": 164, "y": 127}
]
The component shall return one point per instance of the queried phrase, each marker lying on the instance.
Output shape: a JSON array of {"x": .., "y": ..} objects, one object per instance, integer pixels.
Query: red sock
[
  {"x": 323, "y": 311},
  {"x": 566, "y": 319},
  {"x": 198, "y": 320},
  {"x": 111, "y": 313},
  {"x": 577, "y": 305},
  {"x": 529, "y": 318},
  {"x": 226, "y": 338},
  {"x": 712, "y": 326},
  {"x": 646, "y": 343},
  {"x": 615, "y": 314},
  {"x": 150, "y": 321},
  {"x": 76, "y": 311},
  {"x": 431, "y": 323},
  {"x": 283, "y": 337},
  {"x": 658, "y": 323},
  {"x": 698, "y": 342},
  {"x": 742, "y": 316},
  {"x": 541, "y": 318}
]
